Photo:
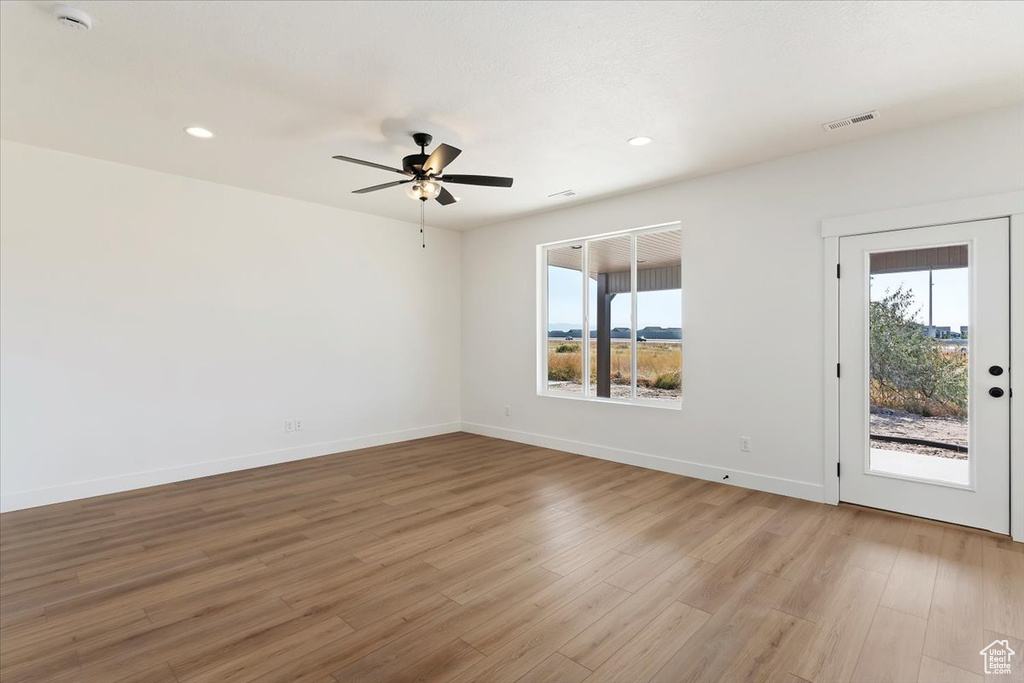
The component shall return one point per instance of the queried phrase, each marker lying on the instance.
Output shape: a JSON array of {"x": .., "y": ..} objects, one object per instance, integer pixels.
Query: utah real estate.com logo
[{"x": 997, "y": 657}]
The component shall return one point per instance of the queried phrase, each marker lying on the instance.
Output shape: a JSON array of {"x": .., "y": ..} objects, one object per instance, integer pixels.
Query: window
[{"x": 615, "y": 334}]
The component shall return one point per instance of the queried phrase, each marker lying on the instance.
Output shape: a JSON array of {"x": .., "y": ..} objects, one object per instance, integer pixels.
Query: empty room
[{"x": 497, "y": 342}]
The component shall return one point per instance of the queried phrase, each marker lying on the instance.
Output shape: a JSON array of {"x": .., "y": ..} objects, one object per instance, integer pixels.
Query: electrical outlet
[
  {"x": 745, "y": 444},
  {"x": 298, "y": 424},
  {"x": 289, "y": 425},
  {"x": 508, "y": 411}
]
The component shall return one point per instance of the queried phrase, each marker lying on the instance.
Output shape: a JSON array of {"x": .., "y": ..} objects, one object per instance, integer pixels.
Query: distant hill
[
  {"x": 565, "y": 332},
  {"x": 660, "y": 332},
  {"x": 649, "y": 332}
]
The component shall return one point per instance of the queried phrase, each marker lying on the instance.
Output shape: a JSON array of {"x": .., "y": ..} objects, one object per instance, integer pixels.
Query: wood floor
[{"x": 463, "y": 558}]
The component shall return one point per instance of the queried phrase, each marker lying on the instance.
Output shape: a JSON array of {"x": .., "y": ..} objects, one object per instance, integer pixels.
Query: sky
[
  {"x": 664, "y": 309},
  {"x": 950, "y": 294},
  {"x": 654, "y": 309}
]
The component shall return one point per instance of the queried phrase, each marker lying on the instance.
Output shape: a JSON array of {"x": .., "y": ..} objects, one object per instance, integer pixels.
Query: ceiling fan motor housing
[{"x": 414, "y": 162}]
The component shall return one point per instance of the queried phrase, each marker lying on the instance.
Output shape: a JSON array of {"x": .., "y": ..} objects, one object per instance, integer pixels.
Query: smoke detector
[
  {"x": 72, "y": 17},
  {"x": 851, "y": 121}
]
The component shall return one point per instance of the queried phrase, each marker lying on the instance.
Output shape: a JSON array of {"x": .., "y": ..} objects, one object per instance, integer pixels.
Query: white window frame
[{"x": 542, "y": 327}]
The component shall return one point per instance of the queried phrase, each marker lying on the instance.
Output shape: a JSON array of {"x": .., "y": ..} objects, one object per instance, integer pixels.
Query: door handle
[
  {"x": 995, "y": 370},
  {"x": 996, "y": 392}
]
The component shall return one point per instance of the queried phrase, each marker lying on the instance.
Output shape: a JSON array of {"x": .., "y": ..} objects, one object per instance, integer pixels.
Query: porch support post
[{"x": 604, "y": 337}]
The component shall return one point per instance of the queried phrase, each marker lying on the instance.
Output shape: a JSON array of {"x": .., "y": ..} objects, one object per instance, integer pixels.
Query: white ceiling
[{"x": 546, "y": 92}]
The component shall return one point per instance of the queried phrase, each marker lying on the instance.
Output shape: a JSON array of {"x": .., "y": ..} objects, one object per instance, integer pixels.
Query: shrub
[
  {"x": 910, "y": 371},
  {"x": 568, "y": 348},
  {"x": 668, "y": 380}
]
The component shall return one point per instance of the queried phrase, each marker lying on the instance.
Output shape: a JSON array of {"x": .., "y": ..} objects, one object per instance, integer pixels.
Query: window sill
[{"x": 636, "y": 403}]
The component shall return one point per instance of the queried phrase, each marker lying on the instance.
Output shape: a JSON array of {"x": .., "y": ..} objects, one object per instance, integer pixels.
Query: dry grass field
[{"x": 658, "y": 364}]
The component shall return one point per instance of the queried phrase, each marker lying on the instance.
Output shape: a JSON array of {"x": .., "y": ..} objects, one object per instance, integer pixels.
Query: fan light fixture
[{"x": 424, "y": 189}]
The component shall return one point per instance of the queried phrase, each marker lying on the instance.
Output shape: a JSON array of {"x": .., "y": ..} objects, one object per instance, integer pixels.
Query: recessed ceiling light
[
  {"x": 197, "y": 132},
  {"x": 639, "y": 141}
]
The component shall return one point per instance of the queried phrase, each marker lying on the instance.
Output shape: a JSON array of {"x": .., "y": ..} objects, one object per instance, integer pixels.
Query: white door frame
[{"x": 1006, "y": 205}]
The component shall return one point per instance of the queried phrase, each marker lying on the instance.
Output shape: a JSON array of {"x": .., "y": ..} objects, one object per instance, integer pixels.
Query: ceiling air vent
[{"x": 843, "y": 123}]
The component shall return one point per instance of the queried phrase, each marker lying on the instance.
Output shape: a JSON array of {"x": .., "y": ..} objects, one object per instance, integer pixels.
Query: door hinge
[
  {"x": 837, "y": 469},
  {"x": 837, "y": 271},
  {"x": 837, "y": 370}
]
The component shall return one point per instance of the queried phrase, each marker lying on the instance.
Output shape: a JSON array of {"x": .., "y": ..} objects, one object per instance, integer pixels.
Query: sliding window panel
[
  {"x": 609, "y": 273},
  {"x": 565, "y": 327},
  {"x": 659, "y": 316}
]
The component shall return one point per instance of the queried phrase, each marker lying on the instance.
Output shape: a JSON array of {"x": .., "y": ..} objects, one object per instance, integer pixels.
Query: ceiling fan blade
[
  {"x": 382, "y": 186},
  {"x": 445, "y": 198},
  {"x": 369, "y": 163},
  {"x": 488, "y": 180},
  {"x": 440, "y": 158}
]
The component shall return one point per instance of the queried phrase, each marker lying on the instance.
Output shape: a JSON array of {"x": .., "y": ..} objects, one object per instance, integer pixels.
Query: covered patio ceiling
[{"x": 611, "y": 255}]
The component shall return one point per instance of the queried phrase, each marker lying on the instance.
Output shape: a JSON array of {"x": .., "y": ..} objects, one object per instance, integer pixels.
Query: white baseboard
[
  {"x": 127, "y": 482},
  {"x": 98, "y": 487},
  {"x": 760, "y": 482}
]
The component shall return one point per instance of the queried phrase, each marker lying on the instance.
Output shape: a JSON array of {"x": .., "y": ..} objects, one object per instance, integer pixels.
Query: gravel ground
[
  {"x": 898, "y": 423},
  {"x": 620, "y": 391}
]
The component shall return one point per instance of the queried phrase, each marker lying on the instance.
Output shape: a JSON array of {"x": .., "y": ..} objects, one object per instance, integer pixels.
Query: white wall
[
  {"x": 753, "y": 303},
  {"x": 156, "y": 328}
]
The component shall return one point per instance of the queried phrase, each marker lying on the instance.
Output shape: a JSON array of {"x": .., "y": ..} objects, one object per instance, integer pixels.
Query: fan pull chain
[{"x": 423, "y": 236}]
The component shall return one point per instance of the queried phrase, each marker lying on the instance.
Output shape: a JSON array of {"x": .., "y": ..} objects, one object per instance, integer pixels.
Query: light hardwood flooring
[{"x": 463, "y": 558}]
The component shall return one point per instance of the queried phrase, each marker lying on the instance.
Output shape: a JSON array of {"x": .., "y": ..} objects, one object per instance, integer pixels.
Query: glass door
[{"x": 924, "y": 346}]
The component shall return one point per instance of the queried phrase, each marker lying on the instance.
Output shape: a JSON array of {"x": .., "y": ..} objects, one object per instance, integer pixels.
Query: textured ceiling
[{"x": 547, "y": 92}]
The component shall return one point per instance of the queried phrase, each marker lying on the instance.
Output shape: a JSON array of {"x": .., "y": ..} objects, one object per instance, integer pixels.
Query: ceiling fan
[{"x": 425, "y": 173}]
